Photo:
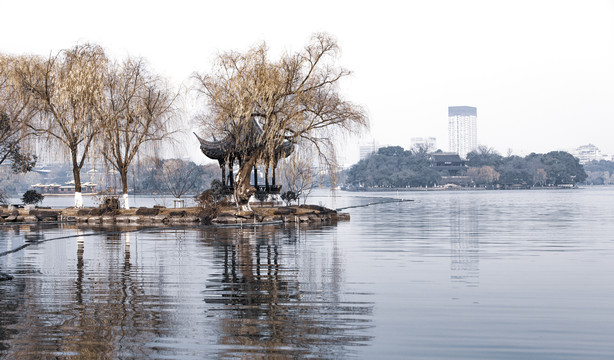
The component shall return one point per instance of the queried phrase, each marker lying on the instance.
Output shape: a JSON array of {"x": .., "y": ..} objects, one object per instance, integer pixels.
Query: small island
[{"x": 161, "y": 216}]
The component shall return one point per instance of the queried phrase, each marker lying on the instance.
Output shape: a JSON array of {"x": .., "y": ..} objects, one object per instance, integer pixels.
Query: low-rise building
[
  {"x": 66, "y": 189},
  {"x": 451, "y": 167}
]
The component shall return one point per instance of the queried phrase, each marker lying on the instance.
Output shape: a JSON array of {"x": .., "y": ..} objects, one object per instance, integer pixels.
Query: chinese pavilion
[{"x": 226, "y": 153}]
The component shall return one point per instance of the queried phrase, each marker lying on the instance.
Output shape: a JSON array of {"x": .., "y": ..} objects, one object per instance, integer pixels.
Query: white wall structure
[
  {"x": 588, "y": 153},
  {"x": 462, "y": 129},
  {"x": 368, "y": 148},
  {"x": 429, "y": 143}
]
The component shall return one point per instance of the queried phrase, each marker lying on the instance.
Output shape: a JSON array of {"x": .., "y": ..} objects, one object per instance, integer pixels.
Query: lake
[{"x": 451, "y": 275}]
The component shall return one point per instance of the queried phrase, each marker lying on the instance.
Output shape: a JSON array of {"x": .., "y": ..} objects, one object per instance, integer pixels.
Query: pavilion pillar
[
  {"x": 255, "y": 177},
  {"x": 231, "y": 181},
  {"x": 223, "y": 166}
]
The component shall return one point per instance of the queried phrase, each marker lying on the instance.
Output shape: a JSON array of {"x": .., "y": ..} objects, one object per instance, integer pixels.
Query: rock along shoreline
[{"x": 160, "y": 216}]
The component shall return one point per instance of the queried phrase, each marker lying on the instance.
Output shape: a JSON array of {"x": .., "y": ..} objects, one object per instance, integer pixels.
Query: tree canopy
[
  {"x": 67, "y": 89},
  {"x": 394, "y": 167},
  {"x": 80, "y": 102},
  {"x": 135, "y": 110},
  {"x": 295, "y": 98},
  {"x": 16, "y": 110},
  {"x": 600, "y": 172}
]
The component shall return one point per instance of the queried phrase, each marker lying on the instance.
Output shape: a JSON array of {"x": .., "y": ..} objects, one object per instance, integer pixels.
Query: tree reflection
[
  {"x": 106, "y": 311},
  {"x": 11, "y": 299},
  {"x": 268, "y": 302},
  {"x": 269, "y": 292}
]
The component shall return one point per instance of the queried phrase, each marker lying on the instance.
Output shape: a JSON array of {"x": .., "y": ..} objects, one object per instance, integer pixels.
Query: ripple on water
[{"x": 474, "y": 275}]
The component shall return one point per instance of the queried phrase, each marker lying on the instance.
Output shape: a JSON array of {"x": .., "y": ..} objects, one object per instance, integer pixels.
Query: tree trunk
[
  {"x": 76, "y": 173},
  {"x": 243, "y": 190},
  {"x": 124, "y": 177},
  {"x": 231, "y": 177},
  {"x": 266, "y": 178}
]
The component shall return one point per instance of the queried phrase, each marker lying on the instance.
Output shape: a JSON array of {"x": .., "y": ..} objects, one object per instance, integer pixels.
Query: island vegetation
[
  {"x": 394, "y": 167},
  {"x": 294, "y": 100},
  {"x": 101, "y": 117},
  {"x": 600, "y": 172}
]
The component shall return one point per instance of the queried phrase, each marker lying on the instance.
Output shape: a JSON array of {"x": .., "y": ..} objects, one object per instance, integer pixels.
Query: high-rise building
[
  {"x": 368, "y": 148},
  {"x": 427, "y": 143},
  {"x": 462, "y": 129}
]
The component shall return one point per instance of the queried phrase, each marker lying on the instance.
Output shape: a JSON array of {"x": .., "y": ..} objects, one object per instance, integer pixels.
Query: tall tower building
[{"x": 462, "y": 129}]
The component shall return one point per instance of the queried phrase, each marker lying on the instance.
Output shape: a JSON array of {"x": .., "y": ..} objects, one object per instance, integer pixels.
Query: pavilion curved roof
[
  {"x": 221, "y": 149},
  {"x": 217, "y": 149}
]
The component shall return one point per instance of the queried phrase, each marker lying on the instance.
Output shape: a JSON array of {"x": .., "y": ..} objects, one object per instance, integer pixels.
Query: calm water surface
[{"x": 473, "y": 275}]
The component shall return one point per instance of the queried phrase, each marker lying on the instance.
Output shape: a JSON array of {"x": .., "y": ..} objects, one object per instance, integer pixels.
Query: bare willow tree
[
  {"x": 136, "y": 111},
  {"x": 178, "y": 177},
  {"x": 294, "y": 99},
  {"x": 16, "y": 110},
  {"x": 299, "y": 173},
  {"x": 68, "y": 88}
]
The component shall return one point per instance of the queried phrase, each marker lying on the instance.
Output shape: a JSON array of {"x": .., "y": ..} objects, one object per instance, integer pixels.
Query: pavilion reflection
[
  {"x": 269, "y": 303},
  {"x": 268, "y": 292}
]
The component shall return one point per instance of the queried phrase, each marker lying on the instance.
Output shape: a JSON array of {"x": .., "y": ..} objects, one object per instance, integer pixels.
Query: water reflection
[
  {"x": 174, "y": 293},
  {"x": 266, "y": 308},
  {"x": 11, "y": 296},
  {"x": 464, "y": 241},
  {"x": 398, "y": 281},
  {"x": 90, "y": 306}
]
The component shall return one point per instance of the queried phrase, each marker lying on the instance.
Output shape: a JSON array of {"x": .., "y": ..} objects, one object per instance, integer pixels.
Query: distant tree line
[
  {"x": 395, "y": 167},
  {"x": 600, "y": 172},
  {"x": 147, "y": 176},
  {"x": 174, "y": 177},
  {"x": 550, "y": 169}
]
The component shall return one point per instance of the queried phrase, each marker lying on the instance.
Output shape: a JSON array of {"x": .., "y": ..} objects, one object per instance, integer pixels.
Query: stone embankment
[
  {"x": 29, "y": 216},
  {"x": 288, "y": 214},
  {"x": 159, "y": 216}
]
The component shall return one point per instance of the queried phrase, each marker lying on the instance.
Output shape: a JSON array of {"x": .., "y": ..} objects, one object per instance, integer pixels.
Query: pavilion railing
[{"x": 271, "y": 189}]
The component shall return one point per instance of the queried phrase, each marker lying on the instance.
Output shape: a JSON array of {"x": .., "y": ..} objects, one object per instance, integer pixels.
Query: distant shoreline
[
  {"x": 457, "y": 189},
  {"x": 71, "y": 194}
]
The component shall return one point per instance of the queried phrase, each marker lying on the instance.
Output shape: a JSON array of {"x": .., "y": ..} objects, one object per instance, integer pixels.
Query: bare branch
[{"x": 292, "y": 99}]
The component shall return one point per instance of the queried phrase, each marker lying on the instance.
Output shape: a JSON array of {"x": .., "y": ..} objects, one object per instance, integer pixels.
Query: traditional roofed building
[
  {"x": 226, "y": 153},
  {"x": 448, "y": 162},
  {"x": 451, "y": 168}
]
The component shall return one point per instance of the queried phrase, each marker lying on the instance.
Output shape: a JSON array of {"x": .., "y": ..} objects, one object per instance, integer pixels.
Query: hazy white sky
[{"x": 541, "y": 73}]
